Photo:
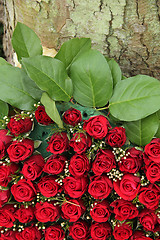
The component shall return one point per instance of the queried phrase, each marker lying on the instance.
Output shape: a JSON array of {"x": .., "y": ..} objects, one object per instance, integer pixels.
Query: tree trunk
[{"x": 127, "y": 30}]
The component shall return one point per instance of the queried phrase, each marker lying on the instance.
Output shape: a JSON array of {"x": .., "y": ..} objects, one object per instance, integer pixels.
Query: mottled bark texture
[{"x": 127, "y": 30}]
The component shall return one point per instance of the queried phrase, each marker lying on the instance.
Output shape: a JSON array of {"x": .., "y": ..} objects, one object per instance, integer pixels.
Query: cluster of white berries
[
  {"x": 5, "y": 161},
  {"x": 37, "y": 104},
  {"x": 66, "y": 170},
  {"x": 158, "y": 214},
  {"x": 60, "y": 180},
  {"x": 119, "y": 153},
  {"x": 6, "y": 121},
  {"x": 115, "y": 174},
  {"x": 144, "y": 182},
  {"x": 93, "y": 205}
]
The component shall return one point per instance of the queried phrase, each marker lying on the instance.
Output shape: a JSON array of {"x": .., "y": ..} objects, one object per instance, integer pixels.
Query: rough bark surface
[{"x": 127, "y": 30}]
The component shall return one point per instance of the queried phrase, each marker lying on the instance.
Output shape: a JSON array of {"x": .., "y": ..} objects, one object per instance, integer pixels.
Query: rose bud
[
  {"x": 54, "y": 232},
  {"x": 131, "y": 163},
  {"x": 101, "y": 211},
  {"x": 17, "y": 125},
  {"x": 75, "y": 187},
  {"x": 100, "y": 187},
  {"x": 153, "y": 172},
  {"x": 148, "y": 219},
  {"x": 58, "y": 143},
  {"x": 5, "y": 173},
  {"x": 55, "y": 164},
  {"x": 5, "y": 141},
  {"x": 72, "y": 117},
  {"x": 4, "y": 196},
  {"x": 23, "y": 191},
  {"x": 152, "y": 151},
  {"x": 97, "y": 126},
  {"x": 42, "y": 117},
  {"x": 116, "y": 137},
  {"x": 128, "y": 187},
  {"x": 48, "y": 186},
  {"x": 139, "y": 235},
  {"x": 79, "y": 230},
  {"x": 149, "y": 196},
  {"x": 24, "y": 215},
  {"x": 30, "y": 232},
  {"x": 104, "y": 162},
  {"x": 72, "y": 209},
  {"x": 100, "y": 231},
  {"x": 79, "y": 165},
  {"x": 47, "y": 212},
  {"x": 80, "y": 142},
  {"x": 33, "y": 167},
  {"x": 124, "y": 210},
  {"x": 19, "y": 151},
  {"x": 7, "y": 216},
  {"x": 122, "y": 231}
]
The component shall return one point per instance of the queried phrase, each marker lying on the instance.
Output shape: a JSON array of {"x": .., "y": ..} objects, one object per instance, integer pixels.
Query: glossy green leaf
[
  {"x": 4, "y": 62},
  {"x": 71, "y": 50},
  {"x": 92, "y": 79},
  {"x": 3, "y": 109},
  {"x": 51, "y": 109},
  {"x": 25, "y": 42},
  {"x": 135, "y": 98},
  {"x": 116, "y": 71},
  {"x": 158, "y": 131},
  {"x": 50, "y": 75},
  {"x": 12, "y": 90},
  {"x": 142, "y": 131}
]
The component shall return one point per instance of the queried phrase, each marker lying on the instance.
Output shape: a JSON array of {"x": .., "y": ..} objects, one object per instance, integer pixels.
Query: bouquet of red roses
[{"x": 93, "y": 184}]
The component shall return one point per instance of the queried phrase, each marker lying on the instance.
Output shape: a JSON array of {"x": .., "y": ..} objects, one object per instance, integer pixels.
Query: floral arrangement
[{"x": 94, "y": 172}]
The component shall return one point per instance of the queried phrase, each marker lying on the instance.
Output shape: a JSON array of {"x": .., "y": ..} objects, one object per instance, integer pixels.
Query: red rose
[
  {"x": 100, "y": 231},
  {"x": 32, "y": 167},
  {"x": 48, "y": 186},
  {"x": 24, "y": 215},
  {"x": 79, "y": 165},
  {"x": 128, "y": 187},
  {"x": 72, "y": 209},
  {"x": 29, "y": 233},
  {"x": 4, "y": 196},
  {"x": 75, "y": 187},
  {"x": 153, "y": 172},
  {"x": 131, "y": 163},
  {"x": 19, "y": 151},
  {"x": 54, "y": 232},
  {"x": 6, "y": 216},
  {"x": 79, "y": 230},
  {"x": 9, "y": 235},
  {"x": 5, "y": 141},
  {"x": 42, "y": 117},
  {"x": 150, "y": 196},
  {"x": 55, "y": 164},
  {"x": 148, "y": 219},
  {"x": 100, "y": 187},
  {"x": 80, "y": 142},
  {"x": 23, "y": 191},
  {"x": 97, "y": 126},
  {"x": 122, "y": 231},
  {"x": 58, "y": 143},
  {"x": 152, "y": 150},
  {"x": 17, "y": 125},
  {"x": 5, "y": 173},
  {"x": 116, "y": 137},
  {"x": 72, "y": 117},
  {"x": 124, "y": 210},
  {"x": 47, "y": 212},
  {"x": 104, "y": 162},
  {"x": 101, "y": 211},
  {"x": 139, "y": 235}
]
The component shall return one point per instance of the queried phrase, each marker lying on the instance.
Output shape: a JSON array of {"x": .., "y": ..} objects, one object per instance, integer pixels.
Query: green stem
[{"x": 100, "y": 109}]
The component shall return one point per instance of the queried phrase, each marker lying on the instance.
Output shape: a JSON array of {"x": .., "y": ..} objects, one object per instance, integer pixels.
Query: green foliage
[
  {"x": 142, "y": 131},
  {"x": 3, "y": 62},
  {"x": 135, "y": 98},
  {"x": 92, "y": 79},
  {"x": 116, "y": 71},
  {"x": 3, "y": 109},
  {"x": 25, "y": 42},
  {"x": 51, "y": 109},
  {"x": 50, "y": 75},
  {"x": 158, "y": 131}
]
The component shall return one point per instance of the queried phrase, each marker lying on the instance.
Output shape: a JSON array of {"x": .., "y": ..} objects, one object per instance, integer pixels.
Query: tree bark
[{"x": 126, "y": 30}]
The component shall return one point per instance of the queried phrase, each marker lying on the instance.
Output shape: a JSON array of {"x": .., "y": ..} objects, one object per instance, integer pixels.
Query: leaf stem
[{"x": 100, "y": 109}]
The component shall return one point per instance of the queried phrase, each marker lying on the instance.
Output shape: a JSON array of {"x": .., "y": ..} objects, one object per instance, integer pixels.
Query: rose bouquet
[{"x": 79, "y": 146}]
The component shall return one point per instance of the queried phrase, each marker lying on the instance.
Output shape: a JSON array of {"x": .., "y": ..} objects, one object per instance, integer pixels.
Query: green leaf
[
  {"x": 25, "y": 42},
  {"x": 4, "y": 62},
  {"x": 135, "y": 98},
  {"x": 50, "y": 75},
  {"x": 71, "y": 50},
  {"x": 12, "y": 90},
  {"x": 37, "y": 143},
  {"x": 158, "y": 131},
  {"x": 92, "y": 79},
  {"x": 51, "y": 109},
  {"x": 3, "y": 109},
  {"x": 116, "y": 71},
  {"x": 142, "y": 131}
]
